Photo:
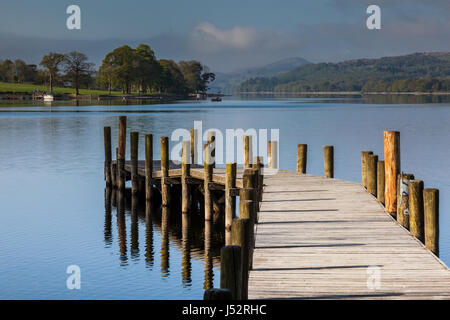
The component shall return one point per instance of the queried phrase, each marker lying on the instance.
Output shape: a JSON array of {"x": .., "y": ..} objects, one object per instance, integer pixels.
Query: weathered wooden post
[
  {"x": 107, "y": 142},
  {"x": 241, "y": 236},
  {"x": 392, "y": 169},
  {"x": 230, "y": 200},
  {"x": 185, "y": 173},
  {"x": 431, "y": 211},
  {"x": 272, "y": 154},
  {"x": 269, "y": 154},
  {"x": 148, "y": 166},
  {"x": 403, "y": 199},
  {"x": 121, "y": 153},
  {"x": 165, "y": 186},
  {"x": 416, "y": 219},
  {"x": 258, "y": 164},
  {"x": 246, "y": 211},
  {"x": 372, "y": 174},
  {"x": 231, "y": 270},
  {"x": 207, "y": 179},
  {"x": 328, "y": 157},
  {"x": 364, "y": 159},
  {"x": 217, "y": 294},
  {"x": 302, "y": 150},
  {"x": 250, "y": 181},
  {"x": 212, "y": 147},
  {"x": 194, "y": 155},
  {"x": 380, "y": 182},
  {"x": 247, "y": 151},
  {"x": 114, "y": 170},
  {"x": 134, "y": 141}
]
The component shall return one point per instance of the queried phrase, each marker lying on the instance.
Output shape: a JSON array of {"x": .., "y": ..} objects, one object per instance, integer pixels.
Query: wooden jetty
[
  {"x": 320, "y": 238},
  {"x": 298, "y": 236}
]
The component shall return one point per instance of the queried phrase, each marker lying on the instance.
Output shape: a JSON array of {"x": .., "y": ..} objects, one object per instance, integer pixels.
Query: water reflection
[
  {"x": 186, "y": 250},
  {"x": 184, "y": 235}
]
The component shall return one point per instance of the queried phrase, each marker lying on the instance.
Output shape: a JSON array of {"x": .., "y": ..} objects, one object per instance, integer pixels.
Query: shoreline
[{"x": 417, "y": 93}]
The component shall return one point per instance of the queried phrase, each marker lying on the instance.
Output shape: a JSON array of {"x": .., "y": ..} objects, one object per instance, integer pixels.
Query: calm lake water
[{"x": 55, "y": 212}]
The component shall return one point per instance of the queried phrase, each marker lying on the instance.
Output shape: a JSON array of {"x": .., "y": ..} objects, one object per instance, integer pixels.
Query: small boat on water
[
  {"x": 48, "y": 97},
  {"x": 216, "y": 99}
]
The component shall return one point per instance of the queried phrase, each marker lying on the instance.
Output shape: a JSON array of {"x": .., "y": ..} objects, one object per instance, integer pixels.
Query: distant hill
[
  {"x": 227, "y": 82},
  {"x": 429, "y": 71}
]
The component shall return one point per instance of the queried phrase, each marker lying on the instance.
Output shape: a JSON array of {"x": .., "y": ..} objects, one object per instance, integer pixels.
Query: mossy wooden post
[
  {"x": 230, "y": 200},
  {"x": 241, "y": 237},
  {"x": 364, "y": 159},
  {"x": 372, "y": 174},
  {"x": 134, "y": 141},
  {"x": 231, "y": 270},
  {"x": 391, "y": 169},
  {"x": 247, "y": 151},
  {"x": 380, "y": 182},
  {"x": 165, "y": 187},
  {"x": 121, "y": 153},
  {"x": 431, "y": 212},
  {"x": 416, "y": 219},
  {"x": 194, "y": 155},
  {"x": 216, "y": 294},
  {"x": 302, "y": 150},
  {"x": 185, "y": 173},
  {"x": 328, "y": 157},
  {"x": 403, "y": 199},
  {"x": 249, "y": 181},
  {"x": 207, "y": 179},
  {"x": 107, "y": 142},
  {"x": 148, "y": 166},
  {"x": 212, "y": 147}
]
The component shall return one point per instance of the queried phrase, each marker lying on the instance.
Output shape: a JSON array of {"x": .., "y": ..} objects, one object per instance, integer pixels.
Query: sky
[{"x": 226, "y": 35}]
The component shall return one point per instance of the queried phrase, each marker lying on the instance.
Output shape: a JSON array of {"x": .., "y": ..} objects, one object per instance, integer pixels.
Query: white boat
[{"x": 48, "y": 97}]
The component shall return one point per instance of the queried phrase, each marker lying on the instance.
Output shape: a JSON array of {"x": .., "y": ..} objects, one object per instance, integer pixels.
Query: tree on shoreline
[
  {"x": 76, "y": 67},
  {"x": 52, "y": 62}
]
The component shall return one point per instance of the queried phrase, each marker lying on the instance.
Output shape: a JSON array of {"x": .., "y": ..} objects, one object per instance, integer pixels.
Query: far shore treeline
[
  {"x": 418, "y": 72},
  {"x": 124, "y": 69}
]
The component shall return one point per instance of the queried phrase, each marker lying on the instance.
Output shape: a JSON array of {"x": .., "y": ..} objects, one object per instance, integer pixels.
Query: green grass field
[{"x": 28, "y": 88}]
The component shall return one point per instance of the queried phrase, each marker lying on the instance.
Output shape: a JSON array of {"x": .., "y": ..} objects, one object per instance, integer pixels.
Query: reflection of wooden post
[
  {"x": 328, "y": 157},
  {"x": 134, "y": 140},
  {"x": 121, "y": 152},
  {"x": 403, "y": 199},
  {"x": 185, "y": 249},
  {"x": 416, "y": 219},
  {"x": 194, "y": 157},
  {"x": 208, "y": 167},
  {"x": 107, "y": 142},
  {"x": 241, "y": 237},
  {"x": 431, "y": 211},
  {"x": 148, "y": 166},
  {"x": 392, "y": 169},
  {"x": 231, "y": 270},
  {"x": 230, "y": 201},
  {"x": 165, "y": 215},
  {"x": 372, "y": 174},
  {"x": 217, "y": 294},
  {"x": 185, "y": 172},
  {"x": 165, "y": 191},
  {"x": 247, "y": 151},
  {"x": 208, "y": 281},
  {"x": 380, "y": 182},
  {"x": 301, "y": 157},
  {"x": 364, "y": 159}
]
